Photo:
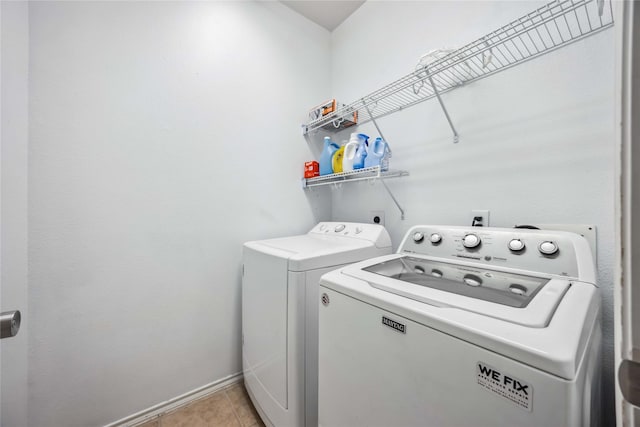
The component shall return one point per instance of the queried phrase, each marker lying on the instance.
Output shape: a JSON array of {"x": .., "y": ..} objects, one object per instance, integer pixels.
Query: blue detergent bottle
[
  {"x": 378, "y": 153},
  {"x": 326, "y": 158},
  {"x": 361, "y": 151}
]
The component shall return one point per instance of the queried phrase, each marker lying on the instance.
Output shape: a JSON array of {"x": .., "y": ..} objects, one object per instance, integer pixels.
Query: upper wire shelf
[{"x": 546, "y": 29}]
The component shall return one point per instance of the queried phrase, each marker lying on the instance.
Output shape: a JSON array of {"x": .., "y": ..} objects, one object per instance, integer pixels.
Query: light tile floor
[{"x": 230, "y": 407}]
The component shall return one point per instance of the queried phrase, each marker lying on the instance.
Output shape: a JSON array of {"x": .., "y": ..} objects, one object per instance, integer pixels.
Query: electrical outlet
[
  {"x": 377, "y": 217},
  {"x": 479, "y": 218}
]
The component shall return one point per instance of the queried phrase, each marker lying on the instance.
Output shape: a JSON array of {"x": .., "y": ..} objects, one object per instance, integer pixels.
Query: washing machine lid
[
  {"x": 515, "y": 297},
  {"x": 324, "y": 247}
]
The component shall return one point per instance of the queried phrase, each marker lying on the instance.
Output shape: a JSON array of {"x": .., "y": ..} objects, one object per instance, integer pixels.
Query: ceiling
[{"x": 327, "y": 13}]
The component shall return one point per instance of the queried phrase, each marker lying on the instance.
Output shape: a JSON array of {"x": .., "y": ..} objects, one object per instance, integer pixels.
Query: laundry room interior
[{"x": 144, "y": 143}]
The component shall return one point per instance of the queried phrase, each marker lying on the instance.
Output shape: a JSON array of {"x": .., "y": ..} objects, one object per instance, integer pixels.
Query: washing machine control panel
[
  {"x": 371, "y": 232},
  {"x": 552, "y": 252}
]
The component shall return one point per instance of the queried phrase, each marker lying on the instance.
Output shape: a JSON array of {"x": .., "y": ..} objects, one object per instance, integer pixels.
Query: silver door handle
[{"x": 9, "y": 324}]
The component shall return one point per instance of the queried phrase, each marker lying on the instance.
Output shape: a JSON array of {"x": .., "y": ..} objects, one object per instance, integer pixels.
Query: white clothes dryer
[
  {"x": 280, "y": 314},
  {"x": 463, "y": 327}
]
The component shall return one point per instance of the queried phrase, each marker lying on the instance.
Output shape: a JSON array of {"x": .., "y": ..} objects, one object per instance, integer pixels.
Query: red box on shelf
[{"x": 311, "y": 169}]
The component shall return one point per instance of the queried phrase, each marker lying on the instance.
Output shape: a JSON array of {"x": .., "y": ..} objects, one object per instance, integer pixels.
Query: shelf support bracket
[
  {"x": 393, "y": 198},
  {"x": 444, "y": 109},
  {"x": 373, "y": 120},
  {"x": 380, "y": 177}
]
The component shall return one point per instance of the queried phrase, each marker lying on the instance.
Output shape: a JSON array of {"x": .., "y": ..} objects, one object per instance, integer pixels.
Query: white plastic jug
[{"x": 350, "y": 153}]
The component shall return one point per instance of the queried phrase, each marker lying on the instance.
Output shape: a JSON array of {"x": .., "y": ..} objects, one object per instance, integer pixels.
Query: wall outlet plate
[
  {"x": 479, "y": 218},
  {"x": 376, "y": 217}
]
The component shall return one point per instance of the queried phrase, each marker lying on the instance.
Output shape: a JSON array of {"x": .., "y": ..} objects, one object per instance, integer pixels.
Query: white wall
[
  {"x": 536, "y": 142},
  {"x": 162, "y": 136},
  {"x": 14, "y": 38}
]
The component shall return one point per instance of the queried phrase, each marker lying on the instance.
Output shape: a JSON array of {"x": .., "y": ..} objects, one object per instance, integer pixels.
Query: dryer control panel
[
  {"x": 553, "y": 252},
  {"x": 370, "y": 232}
]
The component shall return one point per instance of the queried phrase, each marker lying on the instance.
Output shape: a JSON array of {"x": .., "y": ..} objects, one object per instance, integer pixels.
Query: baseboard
[{"x": 175, "y": 403}]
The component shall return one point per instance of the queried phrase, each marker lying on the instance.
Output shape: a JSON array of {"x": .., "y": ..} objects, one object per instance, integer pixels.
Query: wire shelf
[
  {"x": 352, "y": 176},
  {"x": 548, "y": 28}
]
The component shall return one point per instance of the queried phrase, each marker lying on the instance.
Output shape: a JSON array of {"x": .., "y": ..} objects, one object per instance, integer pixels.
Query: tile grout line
[{"x": 233, "y": 408}]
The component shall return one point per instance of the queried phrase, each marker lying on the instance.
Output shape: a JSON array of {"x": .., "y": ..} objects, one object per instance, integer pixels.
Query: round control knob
[
  {"x": 471, "y": 241},
  {"x": 339, "y": 228},
  {"x": 435, "y": 238},
  {"x": 548, "y": 248},
  {"x": 516, "y": 245},
  {"x": 418, "y": 237},
  {"x": 472, "y": 280},
  {"x": 518, "y": 289}
]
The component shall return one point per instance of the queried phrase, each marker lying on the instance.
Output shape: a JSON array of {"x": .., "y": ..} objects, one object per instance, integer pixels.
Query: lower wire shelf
[
  {"x": 370, "y": 174},
  {"x": 352, "y": 176}
]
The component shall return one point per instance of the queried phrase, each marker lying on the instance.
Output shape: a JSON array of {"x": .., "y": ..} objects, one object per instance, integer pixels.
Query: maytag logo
[{"x": 394, "y": 325}]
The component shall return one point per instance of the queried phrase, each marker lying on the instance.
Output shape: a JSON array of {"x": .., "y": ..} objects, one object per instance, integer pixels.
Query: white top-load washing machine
[
  {"x": 463, "y": 327},
  {"x": 280, "y": 314}
]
